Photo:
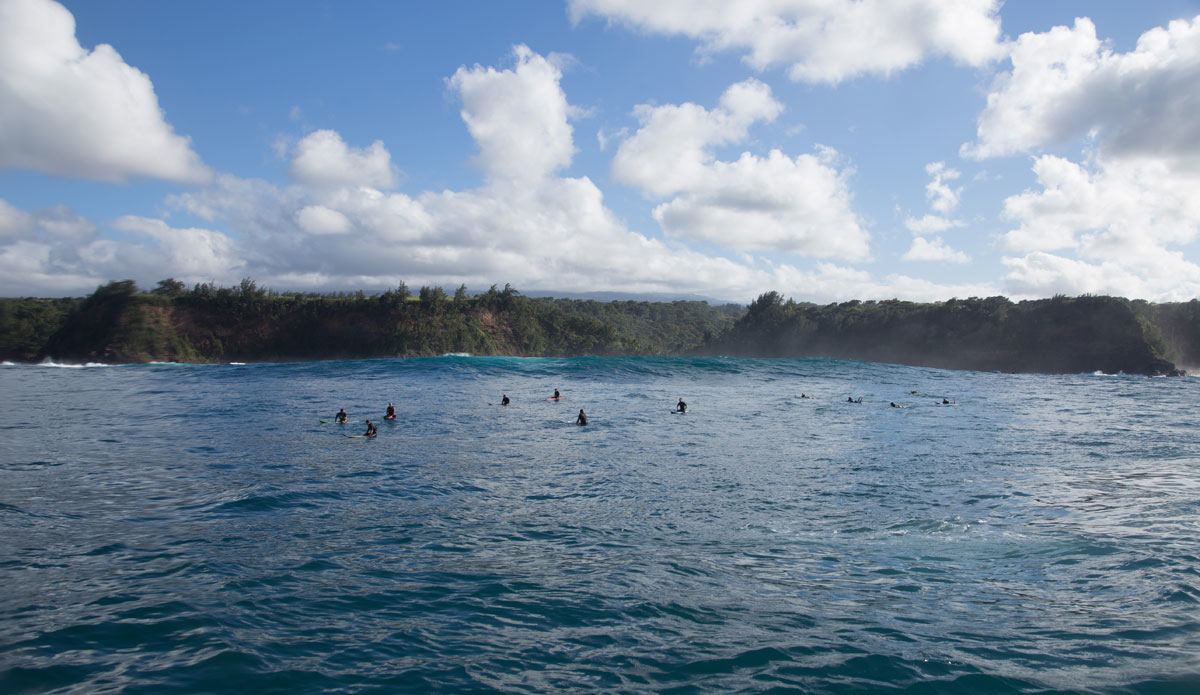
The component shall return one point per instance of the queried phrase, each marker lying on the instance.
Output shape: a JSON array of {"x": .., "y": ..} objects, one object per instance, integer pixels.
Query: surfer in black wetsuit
[
  {"x": 582, "y": 419},
  {"x": 391, "y": 412},
  {"x": 556, "y": 396},
  {"x": 370, "y": 429},
  {"x": 340, "y": 417},
  {"x": 681, "y": 407},
  {"x": 504, "y": 400}
]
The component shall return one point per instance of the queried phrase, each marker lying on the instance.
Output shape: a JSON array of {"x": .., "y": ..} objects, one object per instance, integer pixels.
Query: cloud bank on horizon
[{"x": 827, "y": 150}]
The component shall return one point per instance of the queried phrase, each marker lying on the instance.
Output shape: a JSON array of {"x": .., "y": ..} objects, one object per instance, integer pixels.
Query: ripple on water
[{"x": 762, "y": 543}]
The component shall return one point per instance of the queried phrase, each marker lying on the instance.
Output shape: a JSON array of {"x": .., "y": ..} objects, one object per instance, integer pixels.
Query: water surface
[{"x": 195, "y": 528}]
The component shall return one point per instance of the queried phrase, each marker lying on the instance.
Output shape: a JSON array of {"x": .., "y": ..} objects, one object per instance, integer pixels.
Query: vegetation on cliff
[
  {"x": 1058, "y": 335},
  {"x": 207, "y": 323},
  {"x": 119, "y": 323}
]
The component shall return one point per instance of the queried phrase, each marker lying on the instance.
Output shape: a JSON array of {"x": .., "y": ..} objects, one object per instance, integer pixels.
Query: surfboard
[{"x": 552, "y": 398}]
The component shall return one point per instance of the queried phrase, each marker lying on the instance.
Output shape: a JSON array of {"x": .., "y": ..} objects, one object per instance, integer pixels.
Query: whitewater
[{"x": 174, "y": 528}]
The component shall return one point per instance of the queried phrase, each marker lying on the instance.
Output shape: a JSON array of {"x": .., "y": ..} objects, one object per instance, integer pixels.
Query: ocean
[{"x": 197, "y": 529}]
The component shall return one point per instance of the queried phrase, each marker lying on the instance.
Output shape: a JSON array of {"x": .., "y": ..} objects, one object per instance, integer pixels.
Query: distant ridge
[{"x": 632, "y": 297}]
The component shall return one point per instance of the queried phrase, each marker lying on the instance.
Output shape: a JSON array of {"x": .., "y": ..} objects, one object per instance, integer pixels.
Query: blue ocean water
[{"x": 196, "y": 529}]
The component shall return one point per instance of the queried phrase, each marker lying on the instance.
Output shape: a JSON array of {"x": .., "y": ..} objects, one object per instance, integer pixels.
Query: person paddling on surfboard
[
  {"x": 391, "y": 412},
  {"x": 681, "y": 407},
  {"x": 504, "y": 399},
  {"x": 370, "y": 430},
  {"x": 340, "y": 417},
  {"x": 582, "y": 419}
]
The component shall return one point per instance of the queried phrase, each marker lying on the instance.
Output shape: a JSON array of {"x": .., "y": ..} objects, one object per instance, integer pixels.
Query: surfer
[
  {"x": 899, "y": 406},
  {"x": 946, "y": 402},
  {"x": 805, "y": 395},
  {"x": 340, "y": 417},
  {"x": 850, "y": 399},
  {"x": 370, "y": 429},
  {"x": 391, "y": 412},
  {"x": 504, "y": 399},
  {"x": 556, "y": 396},
  {"x": 582, "y": 419},
  {"x": 681, "y": 407}
]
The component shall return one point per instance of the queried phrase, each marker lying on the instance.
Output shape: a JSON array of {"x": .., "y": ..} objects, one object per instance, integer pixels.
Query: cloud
[
  {"x": 519, "y": 117},
  {"x": 933, "y": 250},
  {"x": 323, "y": 159},
  {"x": 1113, "y": 223},
  {"x": 931, "y": 224},
  {"x": 1041, "y": 274},
  {"x": 819, "y": 40},
  {"x": 1066, "y": 83},
  {"x": 1107, "y": 209},
  {"x": 320, "y": 220},
  {"x": 189, "y": 252},
  {"x": 942, "y": 198},
  {"x": 80, "y": 114},
  {"x": 541, "y": 232},
  {"x": 14, "y": 222},
  {"x": 797, "y": 205},
  {"x": 1119, "y": 218},
  {"x": 56, "y": 251},
  {"x": 672, "y": 150}
]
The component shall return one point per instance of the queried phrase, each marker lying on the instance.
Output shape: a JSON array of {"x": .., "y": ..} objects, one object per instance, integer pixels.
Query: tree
[{"x": 169, "y": 288}]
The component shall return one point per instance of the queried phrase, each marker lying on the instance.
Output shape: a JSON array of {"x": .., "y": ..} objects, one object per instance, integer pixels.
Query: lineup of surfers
[{"x": 581, "y": 419}]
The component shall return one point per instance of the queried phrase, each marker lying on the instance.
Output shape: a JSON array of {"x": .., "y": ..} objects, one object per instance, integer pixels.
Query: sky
[{"x": 825, "y": 149}]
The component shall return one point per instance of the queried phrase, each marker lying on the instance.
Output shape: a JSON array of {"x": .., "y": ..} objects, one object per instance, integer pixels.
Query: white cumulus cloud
[
  {"x": 530, "y": 226},
  {"x": 320, "y": 220},
  {"x": 931, "y": 224},
  {"x": 322, "y": 158},
  {"x": 1067, "y": 83},
  {"x": 799, "y": 204},
  {"x": 76, "y": 113},
  {"x": 934, "y": 249},
  {"x": 942, "y": 198},
  {"x": 820, "y": 40},
  {"x": 518, "y": 117}
]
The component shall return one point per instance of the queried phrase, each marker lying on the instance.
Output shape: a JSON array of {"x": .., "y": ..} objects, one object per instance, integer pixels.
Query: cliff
[
  {"x": 119, "y": 324},
  {"x": 1059, "y": 335}
]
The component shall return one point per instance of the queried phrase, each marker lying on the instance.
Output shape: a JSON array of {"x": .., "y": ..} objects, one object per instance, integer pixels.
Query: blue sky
[{"x": 828, "y": 150}]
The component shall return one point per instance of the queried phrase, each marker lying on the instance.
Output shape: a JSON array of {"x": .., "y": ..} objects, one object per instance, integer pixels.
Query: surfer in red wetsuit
[{"x": 391, "y": 412}]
